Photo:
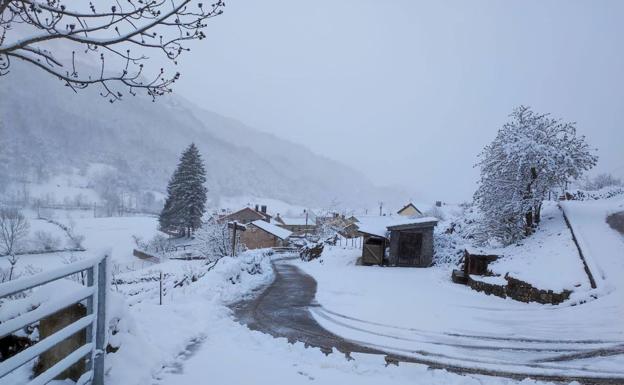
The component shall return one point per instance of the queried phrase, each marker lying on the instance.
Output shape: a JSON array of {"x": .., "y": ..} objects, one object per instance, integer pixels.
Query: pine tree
[{"x": 186, "y": 194}]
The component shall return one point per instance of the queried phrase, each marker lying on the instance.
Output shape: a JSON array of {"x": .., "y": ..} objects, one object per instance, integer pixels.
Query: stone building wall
[{"x": 255, "y": 238}]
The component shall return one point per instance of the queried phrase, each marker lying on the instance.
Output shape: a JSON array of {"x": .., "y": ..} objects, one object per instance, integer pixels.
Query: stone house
[
  {"x": 297, "y": 225},
  {"x": 261, "y": 234}
]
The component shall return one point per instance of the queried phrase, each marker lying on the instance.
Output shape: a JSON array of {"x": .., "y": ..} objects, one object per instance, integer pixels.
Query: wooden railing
[{"x": 94, "y": 322}]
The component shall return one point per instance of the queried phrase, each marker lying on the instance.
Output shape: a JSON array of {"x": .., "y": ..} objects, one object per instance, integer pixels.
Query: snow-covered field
[{"x": 112, "y": 236}]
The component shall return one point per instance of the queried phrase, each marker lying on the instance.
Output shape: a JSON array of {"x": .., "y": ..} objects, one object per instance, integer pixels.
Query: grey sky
[{"x": 409, "y": 91}]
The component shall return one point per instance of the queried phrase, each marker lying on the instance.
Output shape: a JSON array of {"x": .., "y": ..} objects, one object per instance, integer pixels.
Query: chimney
[
  {"x": 257, "y": 208},
  {"x": 263, "y": 209}
]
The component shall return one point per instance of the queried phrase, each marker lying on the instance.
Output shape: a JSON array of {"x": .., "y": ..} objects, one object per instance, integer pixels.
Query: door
[{"x": 410, "y": 245}]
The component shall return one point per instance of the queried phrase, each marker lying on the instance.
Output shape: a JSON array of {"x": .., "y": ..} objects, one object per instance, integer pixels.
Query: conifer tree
[{"x": 186, "y": 194}]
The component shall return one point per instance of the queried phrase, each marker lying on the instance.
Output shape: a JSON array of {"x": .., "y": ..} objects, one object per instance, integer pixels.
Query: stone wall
[
  {"x": 256, "y": 238},
  {"x": 519, "y": 291}
]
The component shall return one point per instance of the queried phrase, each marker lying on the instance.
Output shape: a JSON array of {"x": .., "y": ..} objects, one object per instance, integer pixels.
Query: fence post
[
  {"x": 100, "y": 337},
  {"x": 161, "y": 293}
]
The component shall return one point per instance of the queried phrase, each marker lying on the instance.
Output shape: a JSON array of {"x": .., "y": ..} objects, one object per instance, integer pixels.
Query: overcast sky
[{"x": 408, "y": 92}]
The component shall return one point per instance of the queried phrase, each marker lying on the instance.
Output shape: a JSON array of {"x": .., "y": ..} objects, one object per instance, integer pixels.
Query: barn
[{"x": 394, "y": 241}]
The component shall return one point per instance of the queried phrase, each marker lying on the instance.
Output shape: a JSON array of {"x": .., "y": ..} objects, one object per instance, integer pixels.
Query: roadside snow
[
  {"x": 548, "y": 259},
  {"x": 603, "y": 247},
  {"x": 421, "y": 313}
]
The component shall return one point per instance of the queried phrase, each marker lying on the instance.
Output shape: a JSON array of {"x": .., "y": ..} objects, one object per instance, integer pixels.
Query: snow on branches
[
  {"x": 531, "y": 155},
  {"x": 104, "y": 42},
  {"x": 215, "y": 240}
]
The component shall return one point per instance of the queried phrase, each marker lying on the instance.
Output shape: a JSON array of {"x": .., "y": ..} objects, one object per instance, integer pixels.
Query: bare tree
[
  {"x": 13, "y": 228},
  {"x": 115, "y": 37}
]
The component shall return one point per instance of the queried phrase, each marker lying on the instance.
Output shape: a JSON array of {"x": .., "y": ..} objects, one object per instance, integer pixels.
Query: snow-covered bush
[
  {"x": 601, "y": 181},
  {"x": 435, "y": 212},
  {"x": 530, "y": 156},
  {"x": 215, "y": 240},
  {"x": 603, "y": 193},
  {"x": 46, "y": 241}
]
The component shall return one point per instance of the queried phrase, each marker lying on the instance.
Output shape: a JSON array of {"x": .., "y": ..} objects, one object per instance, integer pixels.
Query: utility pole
[{"x": 380, "y": 208}]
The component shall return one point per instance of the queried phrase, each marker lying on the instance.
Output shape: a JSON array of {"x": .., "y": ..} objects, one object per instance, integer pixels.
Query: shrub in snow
[
  {"x": 601, "y": 181},
  {"x": 603, "y": 193},
  {"x": 46, "y": 241},
  {"x": 311, "y": 251},
  {"x": 531, "y": 155},
  {"x": 215, "y": 240},
  {"x": 435, "y": 212}
]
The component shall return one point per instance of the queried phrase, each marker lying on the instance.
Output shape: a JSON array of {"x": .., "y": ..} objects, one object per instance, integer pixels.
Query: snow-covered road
[{"x": 421, "y": 314}]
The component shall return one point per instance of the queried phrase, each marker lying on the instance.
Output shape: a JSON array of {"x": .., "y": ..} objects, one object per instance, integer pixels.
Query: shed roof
[
  {"x": 379, "y": 226},
  {"x": 279, "y": 232}
]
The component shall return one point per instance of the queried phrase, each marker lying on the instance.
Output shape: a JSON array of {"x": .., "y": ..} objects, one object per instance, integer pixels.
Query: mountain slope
[{"x": 47, "y": 128}]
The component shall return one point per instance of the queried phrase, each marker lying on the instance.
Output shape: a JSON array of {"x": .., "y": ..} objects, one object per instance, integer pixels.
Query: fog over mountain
[{"x": 48, "y": 129}]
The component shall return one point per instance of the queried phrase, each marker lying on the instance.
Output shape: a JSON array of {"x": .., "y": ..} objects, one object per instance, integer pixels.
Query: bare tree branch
[{"x": 116, "y": 37}]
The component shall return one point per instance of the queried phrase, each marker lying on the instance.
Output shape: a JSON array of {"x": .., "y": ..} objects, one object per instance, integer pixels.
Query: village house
[
  {"x": 247, "y": 215},
  {"x": 409, "y": 210},
  {"x": 261, "y": 234},
  {"x": 409, "y": 241},
  {"x": 297, "y": 225}
]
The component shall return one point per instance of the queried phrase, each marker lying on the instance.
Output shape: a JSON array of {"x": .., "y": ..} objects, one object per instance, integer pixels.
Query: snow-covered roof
[
  {"x": 272, "y": 229},
  {"x": 379, "y": 225},
  {"x": 297, "y": 221}
]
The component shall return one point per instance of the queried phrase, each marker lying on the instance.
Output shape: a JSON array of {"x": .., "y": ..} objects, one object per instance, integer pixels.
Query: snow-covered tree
[
  {"x": 186, "y": 194},
  {"x": 215, "y": 240},
  {"x": 118, "y": 39},
  {"x": 531, "y": 155}
]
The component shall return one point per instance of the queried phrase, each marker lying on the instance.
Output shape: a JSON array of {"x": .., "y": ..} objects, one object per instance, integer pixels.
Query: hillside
[{"x": 46, "y": 130}]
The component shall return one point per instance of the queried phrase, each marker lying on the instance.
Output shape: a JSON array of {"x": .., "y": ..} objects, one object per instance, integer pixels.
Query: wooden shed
[
  {"x": 373, "y": 249},
  {"x": 412, "y": 244},
  {"x": 397, "y": 241}
]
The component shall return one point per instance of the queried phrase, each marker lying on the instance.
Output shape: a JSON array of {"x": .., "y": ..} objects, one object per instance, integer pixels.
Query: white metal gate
[{"x": 94, "y": 322}]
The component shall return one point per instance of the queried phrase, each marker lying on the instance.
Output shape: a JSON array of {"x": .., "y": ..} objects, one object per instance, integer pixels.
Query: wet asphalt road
[{"x": 282, "y": 311}]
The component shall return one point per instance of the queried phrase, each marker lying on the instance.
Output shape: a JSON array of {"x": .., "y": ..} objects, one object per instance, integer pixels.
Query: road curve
[{"x": 281, "y": 309}]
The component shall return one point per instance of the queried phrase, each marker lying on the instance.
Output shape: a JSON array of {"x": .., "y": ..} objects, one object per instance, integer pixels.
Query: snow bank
[
  {"x": 148, "y": 337},
  {"x": 547, "y": 259}
]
